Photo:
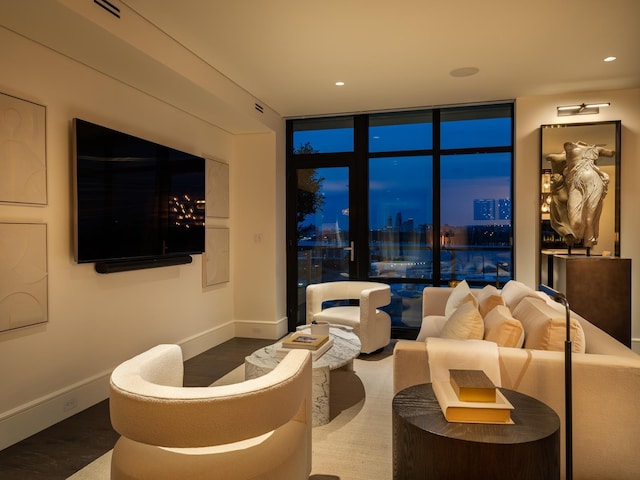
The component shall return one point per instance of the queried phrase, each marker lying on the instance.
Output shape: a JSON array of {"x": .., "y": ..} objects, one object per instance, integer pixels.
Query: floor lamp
[{"x": 560, "y": 298}]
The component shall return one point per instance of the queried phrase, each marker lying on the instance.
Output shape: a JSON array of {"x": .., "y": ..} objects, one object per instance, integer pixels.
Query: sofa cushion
[
  {"x": 514, "y": 291},
  {"x": 500, "y": 327},
  {"x": 464, "y": 323},
  {"x": 460, "y": 294},
  {"x": 545, "y": 327},
  {"x": 489, "y": 298}
]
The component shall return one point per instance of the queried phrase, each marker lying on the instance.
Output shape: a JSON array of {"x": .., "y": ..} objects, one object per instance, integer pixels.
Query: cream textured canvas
[
  {"x": 22, "y": 151},
  {"x": 23, "y": 275}
]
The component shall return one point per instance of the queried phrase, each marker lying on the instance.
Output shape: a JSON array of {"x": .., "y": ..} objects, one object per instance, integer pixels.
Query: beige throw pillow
[
  {"x": 545, "y": 327},
  {"x": 500, "y": 327},
  {"x": 514, "y": 291},
  {"x": 489, "y": 298},
  {"x": 460, "y": 294},
  {"x": 464, "y": 323}
]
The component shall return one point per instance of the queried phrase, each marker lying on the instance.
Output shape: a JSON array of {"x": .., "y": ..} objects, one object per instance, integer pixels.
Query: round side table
[{"x": 426, "y": 445}]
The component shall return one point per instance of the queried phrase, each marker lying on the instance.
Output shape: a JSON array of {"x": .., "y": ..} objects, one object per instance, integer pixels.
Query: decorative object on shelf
[
  {"x": 23, "y": 275},
  {"x": 23, "y": 158},
  {"x": 580, "y": 187},
  {"x": 568, "y": 405}
]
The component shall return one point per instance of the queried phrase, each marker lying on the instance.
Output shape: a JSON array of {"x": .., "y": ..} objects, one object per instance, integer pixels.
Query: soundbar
[{"x": 113, "y": 266}]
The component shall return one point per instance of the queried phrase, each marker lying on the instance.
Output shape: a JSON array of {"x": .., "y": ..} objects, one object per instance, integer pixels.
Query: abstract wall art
[
  {"x": 23, "y": 275},
  {"x": 23, "y": 161},
  {"x": 216, "y": 263},
  {"x": 217, "y": 189}
]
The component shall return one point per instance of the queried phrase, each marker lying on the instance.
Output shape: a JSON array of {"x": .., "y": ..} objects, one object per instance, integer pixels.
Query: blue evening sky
[{"x": 403, "y": 184}]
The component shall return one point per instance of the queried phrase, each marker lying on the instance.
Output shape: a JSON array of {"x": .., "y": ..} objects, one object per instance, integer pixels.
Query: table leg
[{"x": 321, "y": 396}]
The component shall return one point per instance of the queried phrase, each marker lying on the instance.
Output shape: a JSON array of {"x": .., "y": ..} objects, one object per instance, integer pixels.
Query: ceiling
[
  {"x": 400, "y": 54},
  {"x": 288, "y": 54}
]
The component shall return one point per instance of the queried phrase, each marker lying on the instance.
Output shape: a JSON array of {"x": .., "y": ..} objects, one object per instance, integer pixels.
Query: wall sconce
[{"x": 584, "y": 109}]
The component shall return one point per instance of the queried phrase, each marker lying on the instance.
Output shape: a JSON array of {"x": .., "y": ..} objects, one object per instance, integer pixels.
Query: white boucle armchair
[
  {"x": 256, "y": 429},
  {"x": 371, "y": 325}
]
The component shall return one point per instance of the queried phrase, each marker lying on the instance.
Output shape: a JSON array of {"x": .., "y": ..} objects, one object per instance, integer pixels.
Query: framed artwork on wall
[
  {"x": 217, "y": 189},
  {"x": 23, "y": 158},
  {"x": 23, "y": 275},
  {"x": 216, "y": 264}
]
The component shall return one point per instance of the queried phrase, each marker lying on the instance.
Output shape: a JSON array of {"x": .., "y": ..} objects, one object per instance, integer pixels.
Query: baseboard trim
[
  {"x": 261, "y": 329},
  {"x": 33, "y": 417},
  {"x": 635, "y": 345}
]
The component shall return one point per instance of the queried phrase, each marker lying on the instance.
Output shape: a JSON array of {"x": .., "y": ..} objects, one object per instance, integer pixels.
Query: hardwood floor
[{"x": 64, "y": 448}]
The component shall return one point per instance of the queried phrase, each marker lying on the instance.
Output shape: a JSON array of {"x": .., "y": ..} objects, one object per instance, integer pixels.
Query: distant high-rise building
[
  {"x": 484, "y": 209},
  {"x": 504, "y": 209}
]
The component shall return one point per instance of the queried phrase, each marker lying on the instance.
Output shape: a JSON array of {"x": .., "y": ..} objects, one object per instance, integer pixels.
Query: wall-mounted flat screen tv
[{"x": 134, "y": 199}]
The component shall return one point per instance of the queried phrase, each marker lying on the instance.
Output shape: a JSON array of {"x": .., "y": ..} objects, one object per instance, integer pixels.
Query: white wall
[
  {"x": 258, "y": 255},
  {"x": 54, "y": 370},
  {"x": 531, "y": 112}
]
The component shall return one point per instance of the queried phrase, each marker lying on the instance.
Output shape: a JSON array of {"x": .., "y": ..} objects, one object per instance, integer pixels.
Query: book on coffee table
[
  {"x": 281, "y": 351},
  {"x": 305, "y": 340},
  {"x": 472, "y": 385}
]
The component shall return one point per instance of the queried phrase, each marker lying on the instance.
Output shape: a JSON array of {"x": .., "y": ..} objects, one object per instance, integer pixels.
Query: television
[{"x": 136, "y": 203}]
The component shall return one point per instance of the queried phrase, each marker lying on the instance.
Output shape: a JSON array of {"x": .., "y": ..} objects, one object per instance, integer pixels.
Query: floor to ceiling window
[{"x": 412, "y": 199}]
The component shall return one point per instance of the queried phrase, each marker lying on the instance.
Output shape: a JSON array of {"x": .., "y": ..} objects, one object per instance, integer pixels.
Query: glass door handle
[{"x": 352, "y": 251}]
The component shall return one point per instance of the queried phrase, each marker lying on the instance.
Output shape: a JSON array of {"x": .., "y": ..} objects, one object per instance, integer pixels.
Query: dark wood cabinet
[{"x": 597, "y": 288}]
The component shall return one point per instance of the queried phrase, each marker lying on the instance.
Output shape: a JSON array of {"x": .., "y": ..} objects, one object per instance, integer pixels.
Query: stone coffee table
[{"x": 346, "y": 347}]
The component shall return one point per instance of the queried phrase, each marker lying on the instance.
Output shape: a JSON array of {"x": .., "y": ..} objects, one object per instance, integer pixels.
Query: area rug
[{"x": 354, "y": 445}]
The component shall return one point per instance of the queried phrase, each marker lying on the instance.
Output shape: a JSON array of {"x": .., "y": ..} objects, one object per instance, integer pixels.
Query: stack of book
[
  {"x": 318, "y": 344},
  {"x": 471, "y": 397}
]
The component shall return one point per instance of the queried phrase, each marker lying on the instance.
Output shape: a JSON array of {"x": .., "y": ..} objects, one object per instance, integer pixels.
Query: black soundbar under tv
[{"x": 113, "y": 266}]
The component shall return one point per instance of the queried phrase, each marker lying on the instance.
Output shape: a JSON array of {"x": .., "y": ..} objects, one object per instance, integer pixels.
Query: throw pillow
[
  {"x": 514, "y": 291},
  {"x": 545, "y": 327},
  {"x": 464, "y": 323},
  {"x": 460, "y": 294},
  {"x": 500, "y": 327},
  {"x": 431, "y": 327},
  {"x": 489, "y": 298}
]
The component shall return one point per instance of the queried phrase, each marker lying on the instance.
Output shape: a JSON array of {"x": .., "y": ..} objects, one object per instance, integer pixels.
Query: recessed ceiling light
[
  {"x": 609, "y": 59},
  {"x": 464, "y": 71},
  {"x": 339, "y": 84}
]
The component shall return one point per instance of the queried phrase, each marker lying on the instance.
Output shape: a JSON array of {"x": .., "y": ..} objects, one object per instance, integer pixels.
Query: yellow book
[
  {"x": 472, "y": 385},
  {"x": 305, "y": 340},
  {"x": 455, "y": 410}
]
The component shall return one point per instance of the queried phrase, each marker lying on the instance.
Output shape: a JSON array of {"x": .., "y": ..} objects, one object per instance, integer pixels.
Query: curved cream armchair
[
  {"x": 372, "y": 326},
  {"x": 256, "y": 429}
]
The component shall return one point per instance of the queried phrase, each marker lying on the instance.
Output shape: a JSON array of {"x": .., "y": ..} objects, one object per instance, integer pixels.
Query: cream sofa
[{"x": 606, "y": 383}]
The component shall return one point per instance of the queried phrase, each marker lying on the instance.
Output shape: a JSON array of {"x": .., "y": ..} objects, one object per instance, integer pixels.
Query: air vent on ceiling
[
  {"x": 109, "y": 7},
  {"x": 259, "y": 107}
]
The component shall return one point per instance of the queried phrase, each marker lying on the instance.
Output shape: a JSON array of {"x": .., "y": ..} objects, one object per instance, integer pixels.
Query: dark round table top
[{"x": 533, "y": 420}]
